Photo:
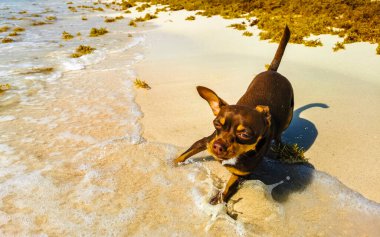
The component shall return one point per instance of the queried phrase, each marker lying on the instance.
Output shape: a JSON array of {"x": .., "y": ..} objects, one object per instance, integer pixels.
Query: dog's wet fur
[{"x": 244, "y": 132}]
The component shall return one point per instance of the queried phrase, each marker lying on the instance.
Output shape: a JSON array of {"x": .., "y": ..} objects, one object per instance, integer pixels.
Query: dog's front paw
[
  {"x": 175, "y": 163},
  {"x": 179, "y": 160},
  {"x": 218, "y": 198}
]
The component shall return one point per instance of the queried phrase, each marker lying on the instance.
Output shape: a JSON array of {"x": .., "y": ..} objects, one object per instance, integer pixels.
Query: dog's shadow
[
  {"x": 289, "y": 178},
  {"x": 284, "y": 178},
  {"x": 302, "y": 131}
]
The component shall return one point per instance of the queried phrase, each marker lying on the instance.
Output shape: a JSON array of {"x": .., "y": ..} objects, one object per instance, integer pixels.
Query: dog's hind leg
[
  {"x": 197, "y": 147},
  {"x": 278, "y": 140}
]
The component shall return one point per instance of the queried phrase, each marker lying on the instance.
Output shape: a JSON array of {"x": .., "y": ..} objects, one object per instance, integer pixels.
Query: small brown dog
[{"x": 243, "y": 132}]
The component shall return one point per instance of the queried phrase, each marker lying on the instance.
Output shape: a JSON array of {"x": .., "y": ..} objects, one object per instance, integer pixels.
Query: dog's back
[{"x": 274, "y": 90}]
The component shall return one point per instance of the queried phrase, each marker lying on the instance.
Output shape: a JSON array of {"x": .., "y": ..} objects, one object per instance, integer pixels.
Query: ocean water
[
  {"x": 73, "y": 161},
  {"x": 41, "y": 47}
]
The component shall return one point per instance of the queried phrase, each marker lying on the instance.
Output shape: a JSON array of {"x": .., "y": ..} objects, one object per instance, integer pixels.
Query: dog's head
[{"x": 239, "y": 129}]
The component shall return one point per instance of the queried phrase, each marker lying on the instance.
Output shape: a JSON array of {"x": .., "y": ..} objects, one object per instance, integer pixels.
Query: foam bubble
[
  {"x": 76, "y": 137},
  {"x": 71, "y": 65},
  {"x": 6, "y": 149},
  {"x": 6, "y": 118},
  {"x": 137, "y": 40},
  {"x": 27, "y": 140}
]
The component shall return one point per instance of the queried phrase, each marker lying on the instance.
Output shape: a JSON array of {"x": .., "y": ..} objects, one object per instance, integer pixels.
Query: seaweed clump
[
  {"x": 142, "y": 7},
  {"x": 132, "y": 23},
  {"x": 92, "y": 8},
  {"x": 13, "y": 18},
  {"x": 73, "y": 9},
  {"x": 141, "y": 84},
  {"x": 18, "y": 29},
  {"x": 357, "y": 20},
  {"x": 124, "y": 5},
  {"x": 313, "y": 43},
  {"x": 378, "y": 49},
  {"x": 190, "y": 18},
  {"x": 67, "y": 35},
  {"x": 51, "y": 18},
  {"x": 98, "y": 32},
  {"x": 13, "y": 34},
  {"x": 147, "y": 17},
  {"x": 99, "y": 9},
  {"x": 4, "y": 29},
  {"x": 247, "y": 33},
  {"x": 4, "y": 87},
  {"x": 162, "y": 9},
  {"x": 110, "y": 19},
  {"x": 238, "y": 26},
  {"x": 82, "y": 50},
  {"x": 39, "y": 23},
  {"x": 43, "y": 70},
  {"x": 338, "y": 46},
  {"x": 289, "y": 153},
  {"x": 7, "y": 40}
]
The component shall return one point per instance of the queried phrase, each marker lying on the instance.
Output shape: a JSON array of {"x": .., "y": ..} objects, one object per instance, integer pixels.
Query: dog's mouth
[{"x": 222, "y": 158}]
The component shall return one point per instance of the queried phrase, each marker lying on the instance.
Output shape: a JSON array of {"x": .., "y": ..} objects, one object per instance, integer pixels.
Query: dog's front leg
[
  {"x": 228, "y": 191},
  {"x": 197, "y": 147}
]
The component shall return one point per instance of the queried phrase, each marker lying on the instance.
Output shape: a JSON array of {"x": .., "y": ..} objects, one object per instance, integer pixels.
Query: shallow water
[
  {"x": 73, "y": 162},
  {"x": 42, "y": 47}
]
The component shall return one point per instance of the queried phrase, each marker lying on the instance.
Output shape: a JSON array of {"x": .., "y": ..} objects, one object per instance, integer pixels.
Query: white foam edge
[
  {"x": 345, "y": 196},
  {"x": 6, "y": 118}
]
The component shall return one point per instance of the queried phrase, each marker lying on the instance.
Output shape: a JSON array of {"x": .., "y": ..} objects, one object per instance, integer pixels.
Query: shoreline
[{"x": 326, "y": 83}]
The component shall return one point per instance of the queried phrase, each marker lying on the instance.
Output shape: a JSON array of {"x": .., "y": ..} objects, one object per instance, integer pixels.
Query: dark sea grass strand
[
  {"x": 358, "y": 20},
  {"x": 289, "y": 153}
]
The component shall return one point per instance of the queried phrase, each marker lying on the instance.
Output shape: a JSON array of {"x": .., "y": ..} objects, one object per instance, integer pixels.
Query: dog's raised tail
[{"x": 280, "y": 50}]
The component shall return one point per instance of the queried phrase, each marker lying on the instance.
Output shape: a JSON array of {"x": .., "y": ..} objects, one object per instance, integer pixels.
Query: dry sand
[{"x": 337, "y": 94}]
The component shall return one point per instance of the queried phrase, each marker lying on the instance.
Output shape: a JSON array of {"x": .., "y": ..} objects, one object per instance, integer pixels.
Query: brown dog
[{"x": 243, "y": 132}]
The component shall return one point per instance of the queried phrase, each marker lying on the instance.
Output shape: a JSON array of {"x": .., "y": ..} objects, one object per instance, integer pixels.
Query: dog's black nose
[{"x": 219, "y": 148}]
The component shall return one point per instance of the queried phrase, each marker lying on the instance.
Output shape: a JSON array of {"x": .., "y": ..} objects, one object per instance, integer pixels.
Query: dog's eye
[
  {"x": 244, "y": 135},
  {"x": 217, "y": 125}
]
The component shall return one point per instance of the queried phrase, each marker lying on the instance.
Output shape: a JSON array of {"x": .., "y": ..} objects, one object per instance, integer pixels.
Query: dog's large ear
[
  {"x": 264, "y": 110},
  {"x": 212, "y": 98}
]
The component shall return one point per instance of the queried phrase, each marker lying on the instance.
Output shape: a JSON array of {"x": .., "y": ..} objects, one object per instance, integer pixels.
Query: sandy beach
[
  {"x": 83, "y": 152},
  {"x": 336, "y": 94}
]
